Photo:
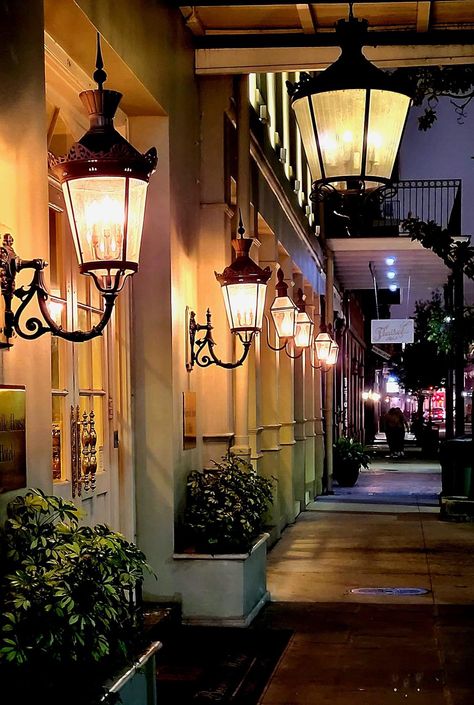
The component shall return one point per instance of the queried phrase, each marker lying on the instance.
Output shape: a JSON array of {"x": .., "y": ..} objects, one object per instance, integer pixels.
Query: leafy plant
[
  {"x": 226, "y": 506},
  {"x": 429, "y": 83},
  {"x": 348, "y": 457},
  {"x": 348, "y": 450},
  {"x": 68, "y": 613}
]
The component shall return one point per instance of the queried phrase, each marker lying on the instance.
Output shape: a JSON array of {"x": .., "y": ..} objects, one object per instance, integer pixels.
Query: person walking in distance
[{"x": 395, "y": 432}]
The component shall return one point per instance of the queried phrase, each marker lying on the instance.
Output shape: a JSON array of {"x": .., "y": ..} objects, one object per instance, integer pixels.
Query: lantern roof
[
  {"x": 351, "y": 70},
  {"x": 102, "y": 143},
  {"x": 243, "y": 269}
]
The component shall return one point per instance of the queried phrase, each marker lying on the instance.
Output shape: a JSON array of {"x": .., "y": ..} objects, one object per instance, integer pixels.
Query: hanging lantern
[
  {"x": 304, "y": 324},
  {"x": 244, "y": 285},
  {"x": 351, "y": 116},
  {"x": 283, "y": 311},
  {"x": 104, "y": 180}
]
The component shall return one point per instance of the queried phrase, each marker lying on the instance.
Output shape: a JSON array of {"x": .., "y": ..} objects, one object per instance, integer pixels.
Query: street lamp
[
  {"x": 351, "y": 117},
  {"x": 104, "y": 181}
]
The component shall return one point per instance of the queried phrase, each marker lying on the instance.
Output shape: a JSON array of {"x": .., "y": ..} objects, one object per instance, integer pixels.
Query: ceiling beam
[
  {"x": 306, "y": 19},
  {"x": 423, "y": 11},
  {"x": 246, "y": 3},
  {"x": 329, "y": 39},
  {"x": 310, "y": 58}
]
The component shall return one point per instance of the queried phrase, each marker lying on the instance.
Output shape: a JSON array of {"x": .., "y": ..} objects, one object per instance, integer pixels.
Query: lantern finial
[{"x": 100, "y": 75}]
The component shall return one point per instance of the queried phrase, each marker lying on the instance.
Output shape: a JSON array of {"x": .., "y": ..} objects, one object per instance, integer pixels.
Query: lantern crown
[
  {"x": 350, "y": 70},
  {"x": 243, "y": 269},
  {"x": 102, "y": 143}
]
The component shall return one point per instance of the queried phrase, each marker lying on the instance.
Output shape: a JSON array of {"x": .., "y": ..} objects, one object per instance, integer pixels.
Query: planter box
[
  {"x": 227, "y": 589},
  {"x": 137, "y": 684}
]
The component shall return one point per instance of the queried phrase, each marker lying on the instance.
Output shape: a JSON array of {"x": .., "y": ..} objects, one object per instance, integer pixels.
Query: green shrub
[
  {"x": 350, "y": 451},
  {"x": 67, "y": 598},
  {"x": 226, "y": 506}
]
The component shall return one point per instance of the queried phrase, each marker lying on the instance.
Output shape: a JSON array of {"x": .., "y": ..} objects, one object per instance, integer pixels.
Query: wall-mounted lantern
[
  {"x": 104, "y": 180},
  {"x": 243, "y": 286},
  {"x": 326, "y": 350},
  {"x": 351, "y": 117},
  {"x": 283, "y": 311}
]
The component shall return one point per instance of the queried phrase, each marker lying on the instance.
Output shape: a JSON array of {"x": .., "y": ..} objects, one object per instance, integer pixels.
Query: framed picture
[{"x": 12, "y": 438}]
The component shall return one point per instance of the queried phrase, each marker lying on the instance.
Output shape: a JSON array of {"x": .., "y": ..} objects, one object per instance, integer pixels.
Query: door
[{"x": 84, "y": 459}]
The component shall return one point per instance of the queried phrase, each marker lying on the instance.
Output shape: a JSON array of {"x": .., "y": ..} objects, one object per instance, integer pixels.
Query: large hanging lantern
[
  {"x": 104, "y": 180},
  {"x": 351, "y": 116},
  {"x": 304, "y": 324},
  {"x": 283, "y": 311},
  {"x": 244, "y": 285}
]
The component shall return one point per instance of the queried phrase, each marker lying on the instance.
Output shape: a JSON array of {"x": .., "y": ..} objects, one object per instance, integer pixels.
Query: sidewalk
[{"x": 349, "y": 649}]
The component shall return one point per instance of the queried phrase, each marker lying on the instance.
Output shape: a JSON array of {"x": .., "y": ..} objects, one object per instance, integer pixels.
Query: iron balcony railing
[{"x": 382, "y": 215}]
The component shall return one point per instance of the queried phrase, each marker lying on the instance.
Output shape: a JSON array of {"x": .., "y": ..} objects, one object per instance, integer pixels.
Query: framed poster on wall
[{"x": 12, "y": 438}]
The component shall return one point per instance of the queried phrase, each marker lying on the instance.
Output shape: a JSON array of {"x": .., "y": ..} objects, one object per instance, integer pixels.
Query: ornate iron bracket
[
  {"x": 33, "y": 327},
  {"x": 198, "y": 346}
]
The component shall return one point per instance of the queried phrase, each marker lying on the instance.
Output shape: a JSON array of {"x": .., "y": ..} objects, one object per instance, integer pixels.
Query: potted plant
[
  {"x": 349, "y": 456},
  {"x": 224, "y": 549},
  {"x": 69, "y": 617}
]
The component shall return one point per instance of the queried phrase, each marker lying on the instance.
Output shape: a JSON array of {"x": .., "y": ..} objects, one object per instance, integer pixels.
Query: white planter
[
  {"x": 137, "y": 684},
  {"x": 225, "y": 589}
]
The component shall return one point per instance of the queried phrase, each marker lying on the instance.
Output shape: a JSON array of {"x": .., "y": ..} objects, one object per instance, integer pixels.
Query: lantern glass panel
[
  {"x": 340, "y": 124},
  {"x": 323, "y": 345},
  {"x": 283, "y": 312},
  {"x": 333, "y": 354},
  {"x": 305, "y": 124},
  {"x": 105, "y": 230},
  {"x": 387, "y": 115},
  {"x": 304, "y": 330},
  {"x": 244, "y": 304}
]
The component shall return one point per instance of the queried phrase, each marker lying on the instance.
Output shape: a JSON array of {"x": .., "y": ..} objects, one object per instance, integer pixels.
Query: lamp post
[{"x": 351, "y": 117}]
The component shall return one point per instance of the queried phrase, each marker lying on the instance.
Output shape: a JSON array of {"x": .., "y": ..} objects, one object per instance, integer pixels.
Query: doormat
[
  {"x": 204, "y": 665},
  {"x": 390, "y": 591}
]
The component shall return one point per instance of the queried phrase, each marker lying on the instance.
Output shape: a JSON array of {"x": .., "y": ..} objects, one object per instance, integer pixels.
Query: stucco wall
[{"x": 23, "y": 210}]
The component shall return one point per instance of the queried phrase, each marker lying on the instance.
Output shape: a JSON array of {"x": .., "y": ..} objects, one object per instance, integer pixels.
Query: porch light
[
  {"x": 322, "y": 344},
  {"x": 283, "y": 311},
  {"x": 243, "y": 285},
  {"x": 333, "y": 354},
  {"x": 104, "y": 181},
  {"x": 351, "y": 117},
  {"x": 304, "y": 325}
]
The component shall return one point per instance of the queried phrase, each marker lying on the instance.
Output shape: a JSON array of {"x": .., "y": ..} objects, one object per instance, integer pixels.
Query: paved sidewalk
[{"x": 349, "y": 649}]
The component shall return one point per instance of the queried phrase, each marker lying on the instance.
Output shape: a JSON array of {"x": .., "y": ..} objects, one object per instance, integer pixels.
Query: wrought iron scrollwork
[
  {"x": 198, "y": 346},
  {"x": 34, "y": 327}
]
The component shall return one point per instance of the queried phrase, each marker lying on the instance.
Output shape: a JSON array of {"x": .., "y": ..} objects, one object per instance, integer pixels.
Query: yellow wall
[{"x": 24, "y": 212}]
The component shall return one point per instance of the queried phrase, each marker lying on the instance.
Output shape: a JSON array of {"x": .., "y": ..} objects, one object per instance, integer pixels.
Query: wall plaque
[
  {"x": 189, "y": 420},
  {"x": 12, "y": 438}
]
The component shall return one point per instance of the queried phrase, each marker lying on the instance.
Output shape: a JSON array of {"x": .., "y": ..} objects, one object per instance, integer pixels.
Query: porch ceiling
[
  {"x": 419, "y": 271},
  {"x": 235, "y": 36}
]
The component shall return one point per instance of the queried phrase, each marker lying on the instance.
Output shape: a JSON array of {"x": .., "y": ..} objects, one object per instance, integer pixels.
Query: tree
[
  {"x": 433, "y": 82},
  {"x": 423, "y": 364}
]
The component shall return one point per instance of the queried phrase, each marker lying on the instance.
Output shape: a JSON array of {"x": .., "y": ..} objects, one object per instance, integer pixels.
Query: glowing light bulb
[
  {"x": 391, "y": 274},
  {"x": 393, "y": 287}
]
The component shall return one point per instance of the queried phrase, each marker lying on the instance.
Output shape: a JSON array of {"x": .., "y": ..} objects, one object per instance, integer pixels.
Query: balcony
[{"x": 382, "y": 215}]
